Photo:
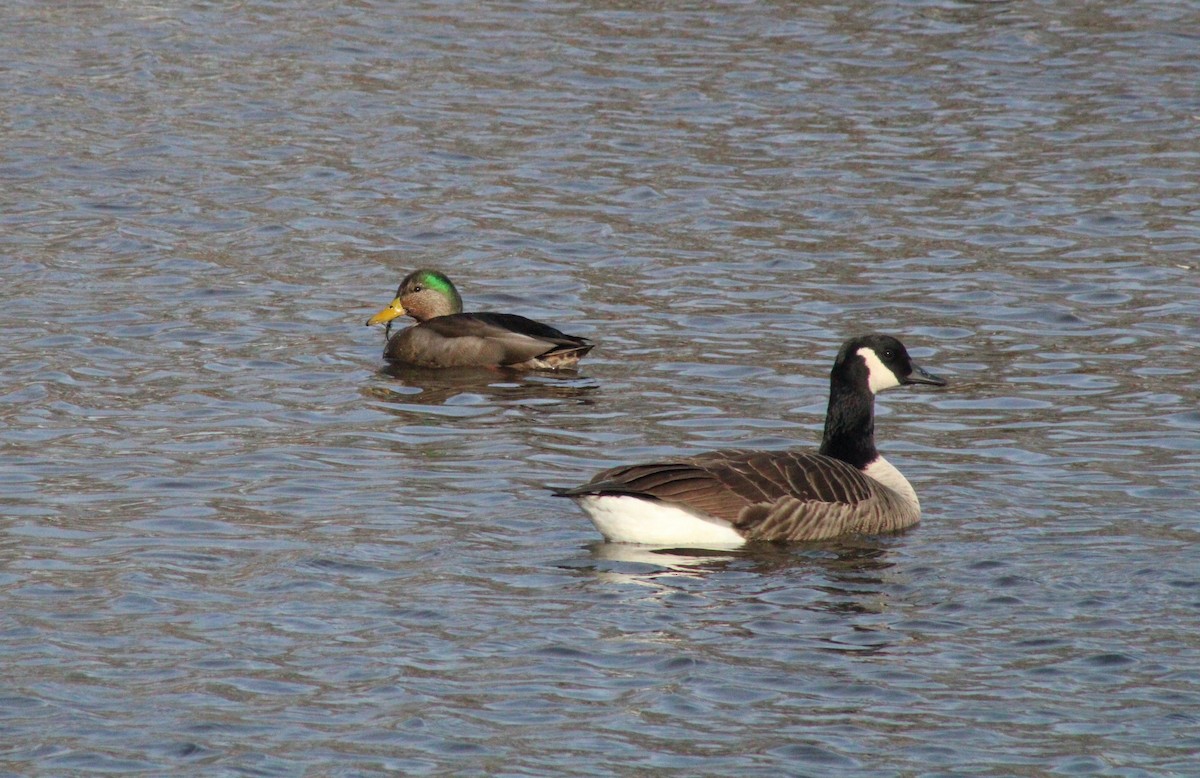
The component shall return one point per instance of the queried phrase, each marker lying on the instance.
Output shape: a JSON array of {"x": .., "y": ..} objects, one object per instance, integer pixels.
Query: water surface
[{"x": 233, "y": 544}]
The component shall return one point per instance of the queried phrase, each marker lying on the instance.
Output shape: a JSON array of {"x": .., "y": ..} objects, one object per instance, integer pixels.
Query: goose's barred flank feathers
[{"x": 844, "y": 488}]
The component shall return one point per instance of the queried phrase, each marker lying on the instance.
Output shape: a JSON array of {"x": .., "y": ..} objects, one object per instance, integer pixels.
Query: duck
[
  {"x": 446, "y": 337},
  {"x": 731, "y": 497}
]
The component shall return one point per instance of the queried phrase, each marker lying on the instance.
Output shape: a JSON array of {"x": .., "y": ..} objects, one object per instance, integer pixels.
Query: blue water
[{"x": 231, "y": 543}]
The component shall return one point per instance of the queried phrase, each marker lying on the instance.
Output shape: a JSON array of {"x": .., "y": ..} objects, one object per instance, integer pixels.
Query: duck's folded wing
[
  {"x": 520, "y": 325},
  {"x": 504, "y": 338},
  {"x": 479, "y": 339}
]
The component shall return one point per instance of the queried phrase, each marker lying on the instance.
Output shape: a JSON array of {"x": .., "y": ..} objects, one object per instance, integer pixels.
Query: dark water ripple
[{"x": 232, "y": 544}]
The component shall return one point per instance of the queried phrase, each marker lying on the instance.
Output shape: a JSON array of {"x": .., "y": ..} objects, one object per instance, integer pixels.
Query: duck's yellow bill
[{"x": 394, "y": 310}]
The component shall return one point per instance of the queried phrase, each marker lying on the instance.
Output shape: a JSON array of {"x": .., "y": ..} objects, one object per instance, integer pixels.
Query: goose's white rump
[{"x": 622, "y": 518}]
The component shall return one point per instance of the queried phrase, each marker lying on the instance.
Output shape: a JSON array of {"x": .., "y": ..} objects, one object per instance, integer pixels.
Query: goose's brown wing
[
  {"x": 483, "y": 340},
  {"x": 767, "y": 495}
]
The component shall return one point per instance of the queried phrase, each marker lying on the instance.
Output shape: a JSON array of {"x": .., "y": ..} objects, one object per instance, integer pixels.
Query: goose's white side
[{"x": 627, "y": 519}]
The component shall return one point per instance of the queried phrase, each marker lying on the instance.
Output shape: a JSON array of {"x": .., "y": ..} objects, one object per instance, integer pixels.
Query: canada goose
[
  {"x": 730, "y": 497},
  {"x": 444, "y": 336}
]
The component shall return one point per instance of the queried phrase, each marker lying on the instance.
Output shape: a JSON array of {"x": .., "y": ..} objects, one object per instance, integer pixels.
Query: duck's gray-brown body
[
  {"x": 444, "y": 336},
  {"x": 485, "y": 339}
]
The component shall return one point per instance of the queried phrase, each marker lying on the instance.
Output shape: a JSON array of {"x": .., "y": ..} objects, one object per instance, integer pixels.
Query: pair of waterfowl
[{"x": 718, "y": 499}]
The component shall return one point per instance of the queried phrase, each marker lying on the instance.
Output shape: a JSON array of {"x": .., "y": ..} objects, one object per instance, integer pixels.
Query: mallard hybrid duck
[
  {"x": 444, "y": 336},
  {"x": 727, "y": 498}
]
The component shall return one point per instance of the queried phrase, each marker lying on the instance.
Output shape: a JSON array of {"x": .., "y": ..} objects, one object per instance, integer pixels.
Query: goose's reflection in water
[{"x": 849, "y": 575}]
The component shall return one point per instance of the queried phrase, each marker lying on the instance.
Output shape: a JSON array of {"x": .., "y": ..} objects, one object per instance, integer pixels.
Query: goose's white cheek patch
[{"x": 879, "y": 375}]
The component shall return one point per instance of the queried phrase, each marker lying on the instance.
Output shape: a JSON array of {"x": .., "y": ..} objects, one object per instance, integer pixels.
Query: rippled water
[{"x": 233, "y": 544}]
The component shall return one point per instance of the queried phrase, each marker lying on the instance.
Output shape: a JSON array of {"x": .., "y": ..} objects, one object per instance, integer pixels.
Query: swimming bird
[
  {"x": 731, "y": 497},
  {"x": 444, "y": 336}
]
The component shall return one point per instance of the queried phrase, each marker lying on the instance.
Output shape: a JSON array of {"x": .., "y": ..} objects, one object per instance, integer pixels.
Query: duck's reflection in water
[{"x": 468, "y": 391}]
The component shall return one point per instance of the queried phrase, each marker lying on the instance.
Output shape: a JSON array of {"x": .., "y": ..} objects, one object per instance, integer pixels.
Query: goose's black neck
[{"x": 850, "y": 419}]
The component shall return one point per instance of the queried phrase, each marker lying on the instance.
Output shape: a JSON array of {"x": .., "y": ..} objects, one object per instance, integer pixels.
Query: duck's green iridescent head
[
  {"x": 420, "y": 280},
  {"x": 423, "y": 294}
]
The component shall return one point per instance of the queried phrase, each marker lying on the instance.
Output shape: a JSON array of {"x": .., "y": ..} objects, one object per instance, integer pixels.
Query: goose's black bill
[{"x": 921, "y": 376}]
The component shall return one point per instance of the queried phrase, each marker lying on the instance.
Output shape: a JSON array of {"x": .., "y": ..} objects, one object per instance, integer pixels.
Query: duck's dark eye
[{"x": 417, "y": 288}]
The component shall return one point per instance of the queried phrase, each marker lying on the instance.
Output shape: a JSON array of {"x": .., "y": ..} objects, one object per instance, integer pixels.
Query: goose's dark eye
[{"x": 889, "y": 354}]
